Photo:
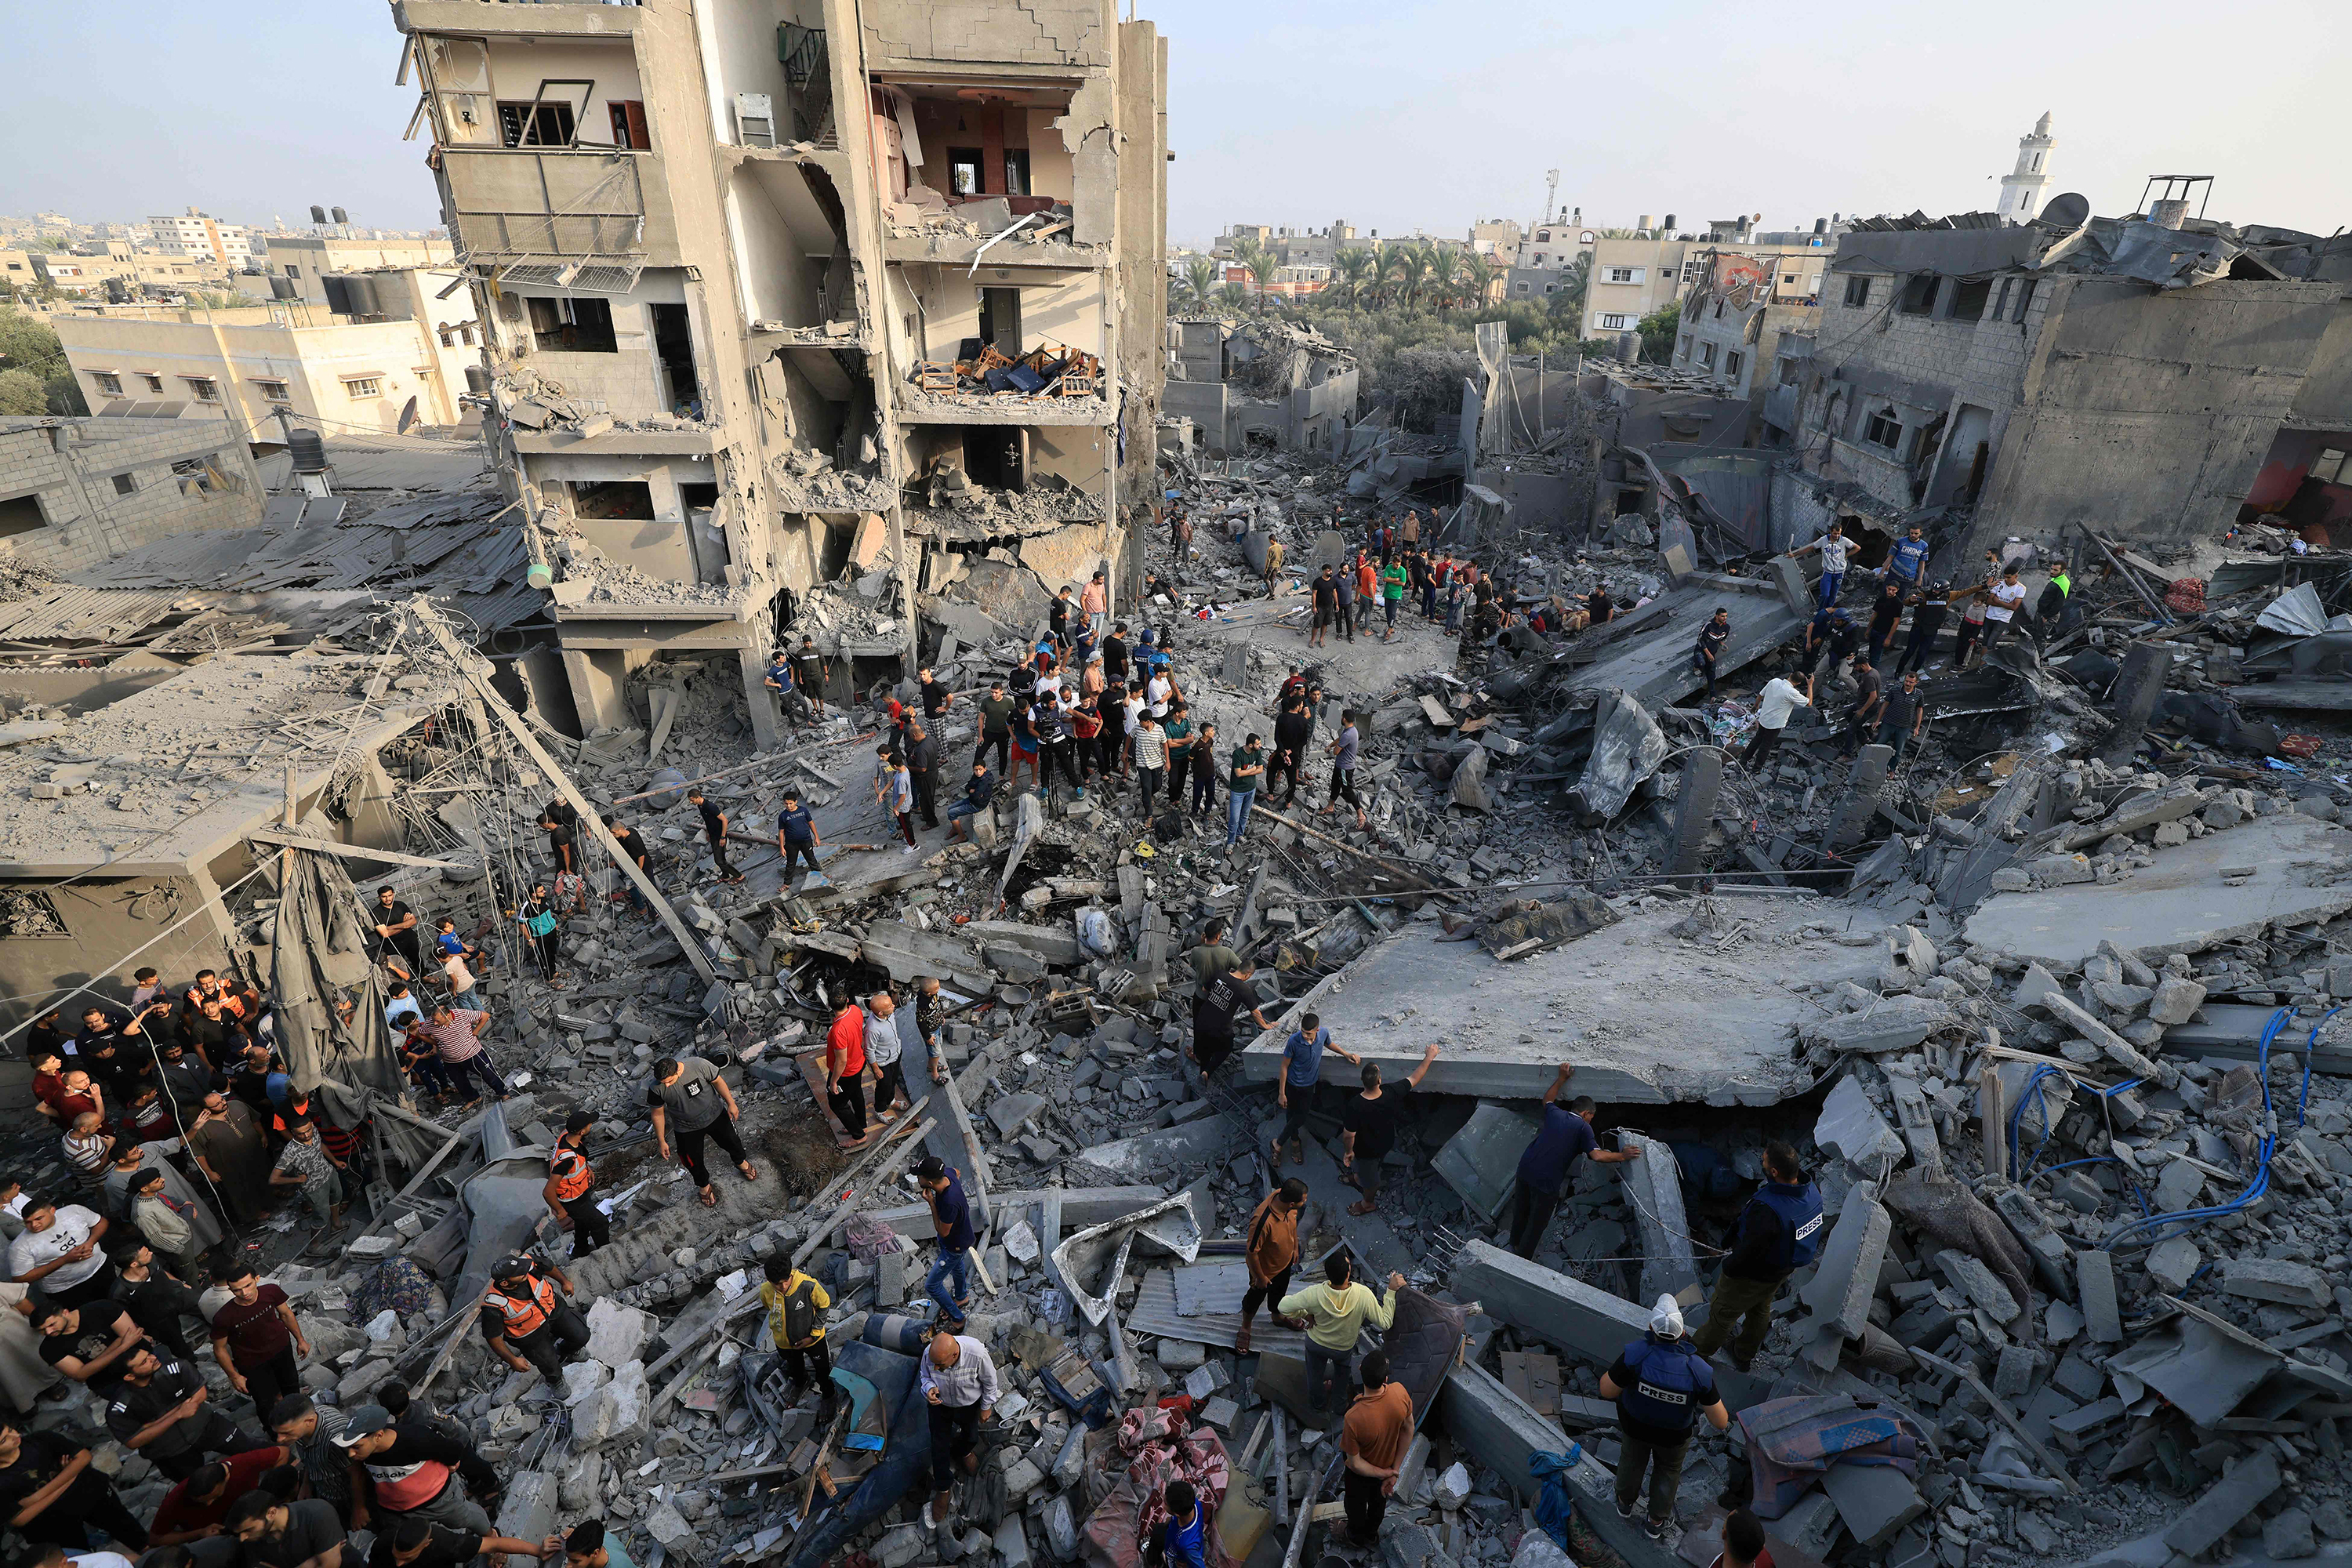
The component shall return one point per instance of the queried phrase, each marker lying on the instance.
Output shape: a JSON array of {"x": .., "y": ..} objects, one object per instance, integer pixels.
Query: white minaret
[{"x": 2022, "y": 187}]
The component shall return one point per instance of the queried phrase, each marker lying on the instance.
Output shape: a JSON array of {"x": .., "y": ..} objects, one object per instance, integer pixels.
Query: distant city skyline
[{"x": 1393, "y": 115}]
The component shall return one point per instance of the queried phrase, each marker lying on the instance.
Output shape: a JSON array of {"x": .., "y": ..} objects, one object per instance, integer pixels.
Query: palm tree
[
  {"x": 1235, "y": 296},
  {"x": 1444, "y": 276},
  {"x": 1405, "y": 265},
  {"x": 1478, "y": 281},
  {"x": 1200, "y": 280},
  {"x": 1356, "y": 270}
]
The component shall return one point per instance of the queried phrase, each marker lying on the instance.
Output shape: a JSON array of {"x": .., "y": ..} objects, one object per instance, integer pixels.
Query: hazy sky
[{"x": 1391, "y": 114}]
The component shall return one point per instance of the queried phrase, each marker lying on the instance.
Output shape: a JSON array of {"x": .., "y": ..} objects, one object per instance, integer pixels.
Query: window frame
[
  {"x": 261, "y": 386},
  {"x": 353, "y": 384},
  {"x": 203, "y": 388},
  {"x": 126, "y": 483},
  {"x": 1857, "y": 291},
  {"x": 109, "y": 382},
  {"x": 155, "y": 382},
  {"x": 1872, "y": 421}
]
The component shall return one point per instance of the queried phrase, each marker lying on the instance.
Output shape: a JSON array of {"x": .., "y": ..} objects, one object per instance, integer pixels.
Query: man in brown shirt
[
  {"x": 1378, "y": 1431},
  {"x": 1273, "y": 1254}
]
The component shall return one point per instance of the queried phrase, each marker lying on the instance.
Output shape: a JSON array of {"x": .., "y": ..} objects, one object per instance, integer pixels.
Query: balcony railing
[{"x": 549, "y": 201}]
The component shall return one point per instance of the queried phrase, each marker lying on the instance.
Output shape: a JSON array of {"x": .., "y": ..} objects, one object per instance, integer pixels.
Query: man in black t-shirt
[
  {"x": 1369, "y": 1120},
  {"x": 276, "y": 1534},
  {"x": 562, "y": 826},
  {"x": 1293, "y": 727},
  {"x": 414, "y": 1542},
  {"x": 633, "y": 847},
  {"x": 159, "y": 1408},
  {"x": 89, "y": 1343},
  {"x": 937, "y": 699},
  {"x": 808, "y": 674},
  {"x": 1215, "y": 1010},
  {"x": 1325, "y": 593},
  {"x": 395, "y": 925},
  {"x": 1114, "y": 657},
  {"x": 49, "y": 1492},
  {"x": 714, "y": 829},
  {"x": 923, "y": 769}
]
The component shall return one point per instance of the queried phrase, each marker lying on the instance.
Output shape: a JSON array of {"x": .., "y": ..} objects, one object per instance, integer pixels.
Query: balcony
[{"x": 596, "y": 207}]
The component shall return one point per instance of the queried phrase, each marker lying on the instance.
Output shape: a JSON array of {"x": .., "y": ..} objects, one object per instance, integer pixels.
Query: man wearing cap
[
  {"x": 951, "y": 1218},
  {"x": 420, "y": 1543},
  {"x": 571, "y": 1190},
  {"x": 527, "y": 1322},
  {"x": 1661, "y": 1383},
  {"x": 961, "y": 1385},
  {"x": 414, "y": 1471},
  {"x": 159, "y": 1408}
]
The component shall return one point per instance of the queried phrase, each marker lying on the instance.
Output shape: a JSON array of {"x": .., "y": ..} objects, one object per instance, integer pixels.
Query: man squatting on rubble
[
  {"x": 961, "y": 1385},
  {"x": 1661, "y": 1383},
  {"x": 527, "y": 1322},
  {"x": 1777, "y": 1234},
  {"x": 1547, "y": 1164},
  {"x": 797, "y": 1308}
]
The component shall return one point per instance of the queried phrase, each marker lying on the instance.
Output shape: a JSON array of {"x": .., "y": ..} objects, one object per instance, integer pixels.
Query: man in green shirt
[
  {"x": 1177, "y": 728},
  {"x": 995, "y": 725},
  {"x": 1248, "y": 767},
  {"x": 1393, "y": 580}
]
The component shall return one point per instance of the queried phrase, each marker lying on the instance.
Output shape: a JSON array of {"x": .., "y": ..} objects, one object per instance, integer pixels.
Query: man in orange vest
[
  {"x": 527, "y": 1322},
  {"x": 571, "y": 1190}
]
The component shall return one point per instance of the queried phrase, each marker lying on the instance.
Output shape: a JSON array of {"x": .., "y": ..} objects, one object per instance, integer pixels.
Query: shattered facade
[
  {"x": 1266, "y": 383},
  {"x": 732, "y": 270}
]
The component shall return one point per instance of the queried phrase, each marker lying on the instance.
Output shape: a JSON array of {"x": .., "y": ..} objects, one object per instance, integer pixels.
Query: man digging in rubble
[
  {"x": 1774, "y": 705},
  {"x": 1218, "y": 1002},
  {"x": 1777, "y": 1234},
  {"x": 1661, "y": 1384},
  {"x": 961, "y": 1385},
  {"x": 1547, "y": 1164},
  {"x": 571, "y": 1190},
  {"x": 690, "y": 1099},
  {"x": 527, "y": 1322},
  {"x": 1272, "y": 1252}
]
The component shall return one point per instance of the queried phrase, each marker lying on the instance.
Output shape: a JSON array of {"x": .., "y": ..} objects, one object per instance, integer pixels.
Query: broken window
[
  {"x": 1969, "y": 296},
  {"x": 21, "y": 515},
  {"x": 629, "y": 125},
  {"x": 2024, "y": 298},
  {"x": 1857, "y": 293},
  {"x": 1731, "y": 365},
  {"x": 1718, "y": 309},
  {"x": 964, "y": 164},
  {"x": 154, "y": 383},
  {"x": 538, "y": 124},
  {"x": 2328, "y": 468},
  {"x": 1707, "y": 355},
  {"x": 1883, "y": 429},
  {"x": 2000, "y": 304},
  {"x": 1684, "y": 350},
  {"x": 1918, "y": 294},
  {"x": 1016, "y": 171},
  {"x": 572, "y": 326},
  {"x": 609, "y": 499},
  {"x": 459, "y": 69}
]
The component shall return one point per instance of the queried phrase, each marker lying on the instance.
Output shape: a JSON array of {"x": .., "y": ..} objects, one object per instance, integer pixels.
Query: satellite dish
[
  {"x": 2067, "y": 211},
  {"x": 407, "y": 416}
]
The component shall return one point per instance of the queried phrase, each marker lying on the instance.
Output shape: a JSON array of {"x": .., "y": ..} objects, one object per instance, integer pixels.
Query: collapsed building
[
  {"x": 1267, "y": 382},
  {"x": 781, "y": 297}
]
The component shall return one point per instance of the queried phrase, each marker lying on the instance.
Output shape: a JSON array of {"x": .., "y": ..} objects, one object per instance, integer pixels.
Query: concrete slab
[
  {"x": 2223, "y": 1504},
  {"x": 1874, "y": 1501},
  {"x": 1656, "y": 668},
  {"x": 1159, "y": 1156},
  {"x": 1566, "y": 1313},
  {"x": 1481, "y": 1162},
  {"x": 1497, "y": 1427},
  {"x": 2180, "y": 904},
  {"x": 1653, "y": 1191},
  {"x": 1847, "y": 1276},
  {"x": 1645, "y": 1021}
]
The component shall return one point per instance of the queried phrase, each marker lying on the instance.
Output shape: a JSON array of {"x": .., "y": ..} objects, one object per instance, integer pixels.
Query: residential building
[
  {"x": 76, "y": 491},
  {"x": 1263, "y": 383},
  {"x": 2022, "y": 189},
  {"x": 2153, "y": 379},
  {"x": 1629, "y": 280},
  {"x": 1733, "y": 316},
  {"x": 1497, "y": 238},
  {"x": 1553, "y": 247},
  {"x": 746, "y": 279},
  {"x": 80, "y": 277},
  {"x": 16, "y": 273},
  {"x": 354, "y": 371},
  {"x": 197, "y": 233},
  {"x": 306, "y": 259}
]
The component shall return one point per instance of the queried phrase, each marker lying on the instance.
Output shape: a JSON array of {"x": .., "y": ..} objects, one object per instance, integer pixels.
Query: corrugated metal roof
[{"x": 87, "y": 615}]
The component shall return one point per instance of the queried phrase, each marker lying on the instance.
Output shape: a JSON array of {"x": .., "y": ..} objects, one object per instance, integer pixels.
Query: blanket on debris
[
  {"x": 1159, "y": 1450},
  {"x": 1791, "y": 1442}
]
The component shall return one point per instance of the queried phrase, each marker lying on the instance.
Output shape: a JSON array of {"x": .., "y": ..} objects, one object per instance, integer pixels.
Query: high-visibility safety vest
[
  {"x": 523, "y": 1314},
  {"x": 572, "y": 1174}
]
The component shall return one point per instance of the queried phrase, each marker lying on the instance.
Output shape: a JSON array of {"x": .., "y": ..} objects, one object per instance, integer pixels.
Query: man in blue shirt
[
  {"x": 796, "y": 834},
  {"x": 1549, "y": 1163},
  {"x": 1181, "y": 1540},
  {"x": 1302, "y": 1069},
  {"x": 951, "y": 1218},
  {"x": 788, "y": 698},
  {"x": 1908, "y": 559}
]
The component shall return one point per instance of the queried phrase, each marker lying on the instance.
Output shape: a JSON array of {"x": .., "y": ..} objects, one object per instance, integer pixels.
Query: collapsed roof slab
[
  {"x": 2183, "y": 903},
  {"x": 1657, "y": 668},
  {"x": 1645, "y": 1018}
]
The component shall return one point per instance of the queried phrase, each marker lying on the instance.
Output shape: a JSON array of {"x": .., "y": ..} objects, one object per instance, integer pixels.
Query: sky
[{"x": 1391, "y": 114}]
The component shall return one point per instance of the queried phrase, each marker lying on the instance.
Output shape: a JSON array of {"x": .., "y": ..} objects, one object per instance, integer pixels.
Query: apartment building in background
[
  {"x": 306, "y": 260},
  {"x": 1741, "y": 297},
  {"x": 762, "y": 248},
  {"x": 355, "y": 370},
  {"x": 201, "y": 234},
  {"x": 1629, "y": 280}
]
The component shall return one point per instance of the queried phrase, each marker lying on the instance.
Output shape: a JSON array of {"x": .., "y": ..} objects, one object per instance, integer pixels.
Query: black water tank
[
  {"x": 362, "y": 290},
  {"x": 340, "y": 218},
  {"x": 318, "y": 214},
  {"x": 282, "y": 288},
  {"x": 308, "y": 452},
  {"x": 477, "y": 381}
]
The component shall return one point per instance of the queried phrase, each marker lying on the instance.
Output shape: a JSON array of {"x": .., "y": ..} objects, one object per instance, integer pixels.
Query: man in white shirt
[
  {"x": 60, "y": 1251},
  {"x": 1779, "y": 698},
  {"x": 1833, "y": 547},
  {"x": 2002, "y": 601}
]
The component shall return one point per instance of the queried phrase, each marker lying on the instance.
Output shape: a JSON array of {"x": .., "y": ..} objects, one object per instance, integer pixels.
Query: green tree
[
  {"x": 21, "y": 392},
  {"x": 1575, "y": 281},
  {"x": 1658, "y": 330},
  {"x": 1200, "y": 280},
  {"x": 1478, "y": 281},
  {"x": 30, "y": 349},
  {"x": 1356, "y": 268},
  {"x": 1444, "y": 277},
  {"x": 1235, "y": 296}
]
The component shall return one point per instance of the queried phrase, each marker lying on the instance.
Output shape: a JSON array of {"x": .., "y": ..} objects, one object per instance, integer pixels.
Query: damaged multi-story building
[
  {"x": 2153, "y": 375},
  {"x": 1265, "y": 383},
  {"x": 782, "y": 291}
]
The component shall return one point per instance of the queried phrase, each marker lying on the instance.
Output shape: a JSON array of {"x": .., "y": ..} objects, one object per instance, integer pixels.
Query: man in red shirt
[
  {"x": 195, "y": 1509},
  {"x": 844, "y": 1070},
  {"x": 255, "y": 1338}
]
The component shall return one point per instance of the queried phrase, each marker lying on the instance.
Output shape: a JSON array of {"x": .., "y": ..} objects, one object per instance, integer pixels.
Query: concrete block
[
  {"x": 1481, "y": 1162},
  {"x": 899, "y": 1546},
  {"x": 2274, "y": 1279},
  {"x": 2178, "y": 1186},
  {"x": 1846, "y": 1278},
  {"x": 1874, "y": 1501},
  {"x": 2176, "y": 1000},
  {"x": 1566, "y": 1313},
  {"x": 890, "y": 1276},
  {"x": 1851, "y": 1125},
  {"x": 1916, "y": 1118},
  {"x": 1981, "y": 1284},
  {"x": 616, "y": 1334},
  {"x": 2102, "y": 1315},
  {"x": 1812, "y": 1525},
  {"x": 1012, "y": 1543},
  {"x": 1653, "y": 1190},
  {"x": 2215, "y": 1514},
  {"x": 2173, "y": 1263},
  {"x": 1893, "y": 1024},
  {"x": 1012, "y": 1111},
  {"x": 1498, "y": 1428},
  {"x": 528, "y": 1509}
]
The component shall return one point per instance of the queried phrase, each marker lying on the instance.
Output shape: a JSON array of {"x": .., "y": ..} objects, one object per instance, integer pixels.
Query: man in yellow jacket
[
  {"x": 797, "y": 1306},
  {"x": 1337, "y": 1312}
]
